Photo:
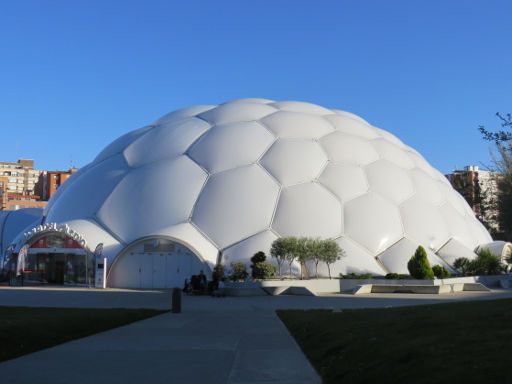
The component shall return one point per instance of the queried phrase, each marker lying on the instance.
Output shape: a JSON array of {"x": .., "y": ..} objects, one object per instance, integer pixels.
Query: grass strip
[
  {"x": 24, "y": 330},
  {"x": 457, "y": 342}
]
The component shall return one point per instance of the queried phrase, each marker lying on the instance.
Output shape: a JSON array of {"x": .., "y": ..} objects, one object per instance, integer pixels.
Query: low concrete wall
[{"x": 323, "y": 286}]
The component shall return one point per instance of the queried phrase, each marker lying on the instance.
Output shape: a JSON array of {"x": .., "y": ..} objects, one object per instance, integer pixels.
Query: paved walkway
[{"x": 214, "y": 340}]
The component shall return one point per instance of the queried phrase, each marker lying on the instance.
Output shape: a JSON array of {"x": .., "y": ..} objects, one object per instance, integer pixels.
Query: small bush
[
  {"x": 441, "y": 272},
  {"x": 419, "y": 266},
  {"x": 392, "y": 276},
  {"x": 486, "y": 263},
  {"x": 462, "y": 265},
  {"x": 264, "y": 270},
  {"x": 218, "y": 272},
  {"x": 238, "y": 272}
]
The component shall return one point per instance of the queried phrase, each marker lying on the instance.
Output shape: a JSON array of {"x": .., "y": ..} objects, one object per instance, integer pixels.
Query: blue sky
[{"x": 74, "y": 75}]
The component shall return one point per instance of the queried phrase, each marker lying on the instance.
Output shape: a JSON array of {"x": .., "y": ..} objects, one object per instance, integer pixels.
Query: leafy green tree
[
  {"x": 291, "y": 255},
  {"x": 218, "y": 272},
  {"x": 303, "y": 255},
  {"x": 238, "y": 271},
  {"x": 419, "y": 266},
  {"x": 279, "y": 251},
  {"x": 330, "y": 252},
  {"x": 314, "y": 249}
]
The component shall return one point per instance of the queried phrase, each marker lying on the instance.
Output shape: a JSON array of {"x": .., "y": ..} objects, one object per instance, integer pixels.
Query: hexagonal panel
[
  {"x": 423, "y": 223},
  {"x": 301, "y": 106},
  {"x": 457, "y": 225},
  {"x": 244, "y": 250},
  {"x": 83, "y": 198},
  {"x": 308, "y": 210},
  {"x": 451, "y": 196},
  {"x": 389, "y": 180},
  {"x": 287, "y": 124},
  {"x": 453, "y": 250},
  {"x": 373, "y": 222},
  {"x": 231, "y": 145},
  {"x": 356, "y": 260},
  {"x": 356, "y": 127},
  {"x": 293, "y": 161},
  {"x": 165, "y": 141},
  {"x": 237, "y": 111},
  {"x": 242, "y": 199},
  {"x": 159, "y": 195},
  {"x": 425, "y": 187},
  {"x": 350, "y": 115},
  {"x": 346, "y": 181},
  {"x": 392, "y": 153},
  {"x": 390, "y": 137},
  {"x": 118, "y": 145},
  {"x": 183, "y": 113},
  {"x": 396, "y": 257},
  {"x": 349, "y": 149}
]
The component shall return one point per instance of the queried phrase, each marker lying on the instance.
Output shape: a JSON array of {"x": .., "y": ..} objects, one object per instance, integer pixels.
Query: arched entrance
[
  {"x": 55, "y": 258},
  {"x": 155, "y": 262}
]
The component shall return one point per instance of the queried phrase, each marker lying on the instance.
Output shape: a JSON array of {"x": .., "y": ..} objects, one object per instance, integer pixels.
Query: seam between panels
[
  {"x": 208, "y": 176},
  {"x": 96, "y": 220},
  {"x": 244, "y": 239},
  {"x": 364, "y": 249},
  {"x": 208, "y": 238},
  {"x": 274, "y": 211}
]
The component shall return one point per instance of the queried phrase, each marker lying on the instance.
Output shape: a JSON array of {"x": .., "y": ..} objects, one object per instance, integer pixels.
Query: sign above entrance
[{"x": 54, "y": 227}]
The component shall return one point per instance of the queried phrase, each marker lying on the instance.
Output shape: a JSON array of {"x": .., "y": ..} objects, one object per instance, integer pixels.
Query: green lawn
[
  {"x": 465, "y": 342},
  {"x": 24, "y": 330}
]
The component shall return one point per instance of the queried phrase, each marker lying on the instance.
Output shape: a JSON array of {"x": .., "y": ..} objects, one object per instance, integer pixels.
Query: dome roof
[{"x": 236, "y": 176}]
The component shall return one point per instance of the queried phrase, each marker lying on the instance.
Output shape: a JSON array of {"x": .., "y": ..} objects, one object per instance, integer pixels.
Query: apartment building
[
  {"x": 21, "y": 176},
  {"x": 49, "y": 181}
]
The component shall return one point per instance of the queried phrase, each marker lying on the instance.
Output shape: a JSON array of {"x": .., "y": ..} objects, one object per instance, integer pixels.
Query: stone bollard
[{"x": 176, "y": 300}]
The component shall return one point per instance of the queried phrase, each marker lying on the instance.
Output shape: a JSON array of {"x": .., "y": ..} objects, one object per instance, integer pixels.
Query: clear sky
[{"x": 74, "y": 75}]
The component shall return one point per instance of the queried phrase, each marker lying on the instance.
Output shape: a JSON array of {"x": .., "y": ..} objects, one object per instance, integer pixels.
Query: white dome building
[{"x": 210, "y": 184}]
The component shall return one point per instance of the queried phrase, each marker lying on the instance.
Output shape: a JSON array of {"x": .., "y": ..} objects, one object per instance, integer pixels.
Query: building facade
[
  {"x": 480, "y": 189},
  {"x": 49, "y": 181},
  {"x": 21, "y": 176}
]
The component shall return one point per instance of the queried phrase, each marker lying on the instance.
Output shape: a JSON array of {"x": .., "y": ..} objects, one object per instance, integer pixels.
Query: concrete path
[{"x": 215, "y": 340}]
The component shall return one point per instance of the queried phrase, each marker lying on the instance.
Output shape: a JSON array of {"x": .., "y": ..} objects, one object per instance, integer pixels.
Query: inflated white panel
[
  {"x": 287, "y": 124},
  {"x": 457, "y": 226},
  {"x": 301, "y": 106},
  {"x": 165, "y": 141},
  {"x": 252, "y": 100},
  {"x": 159, "y": 195},
  {"x": 393, "y": 153},
  {"x": 239, "y": 143},
  {"x": 83, "y": 198},
  {"x": 452, "y": 197},
  {"x": 423, "y": 223},
  {"x": 118, "y": 145},
  {"x": 351, "y": 115},
  {"x": 237, "y": 112},
  {"x": 501, "y": 249},
  {"x": 479, "y": 232},
  {"x": 426, "y": 188},
  {"x": 373, "y": 222},
  {"x": 308, "y": 210},
  {"x": 244, "y": 250},
  {"x": 356, "y": 127},
  {"x": 183, "y": 113},
  {"x": 349, "y": 149},
  {"x": 389, "y": 180},
  {"x": 346, "y": 181},
  {"x": 94, "y": 234},
  {"x": 356, "y": 260},
  {"x": 396, "y": 257},
  {"x": 17, "y": 221},
  {"x": 236, "y": 204},
  {"x": 70, "y": 180},
  {"x": 293, "y": 161},
  {"x": 390, "y": 137},
  {"x": 453, "y": 250}
]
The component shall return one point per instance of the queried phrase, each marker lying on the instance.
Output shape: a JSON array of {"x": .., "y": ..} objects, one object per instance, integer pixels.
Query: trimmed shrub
[
  {"x": 392, "y": 276},
  {"x": 419, "y": 266},
  {"x": 352, "y": 275},
  {"x": 218, "y": 272},
  {"x": 238, "y": 272},
  {"x": 265, "y": 270},
  {"x": 441, "y": 272}
]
